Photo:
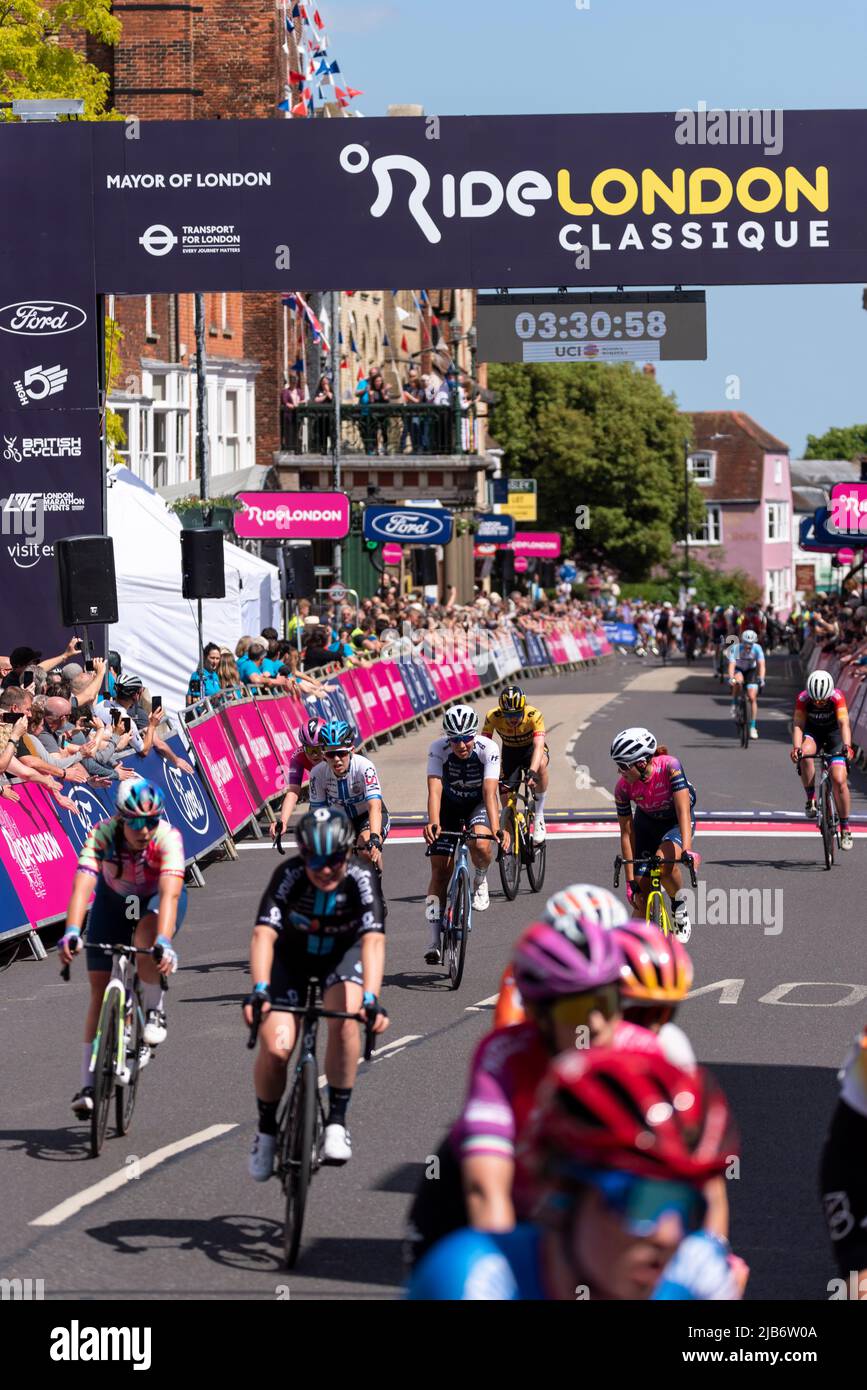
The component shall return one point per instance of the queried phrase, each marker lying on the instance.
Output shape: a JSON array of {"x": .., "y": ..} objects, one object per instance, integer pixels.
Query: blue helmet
[
  {"x": 336, "y": 734},
  {"x": 325, "y": 831},
  {"x": 139, "y": 798}
]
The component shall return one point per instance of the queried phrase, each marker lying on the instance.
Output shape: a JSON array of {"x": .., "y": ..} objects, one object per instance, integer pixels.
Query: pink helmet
[
  {"x": 310, "y": 732},
  {"x": 568, "y": 956}
]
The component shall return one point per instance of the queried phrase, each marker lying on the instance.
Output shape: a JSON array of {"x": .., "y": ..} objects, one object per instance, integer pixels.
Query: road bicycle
[
  {"x": 656, "y": 909},
  {"x": 742, "y": 718},
  {"x": 827, "y": 815},
  {"x": 119, "y": 1054},
  {"x": 519, "y": 818},
  {"x": 301, "y": 1122},
  {"x": 457, "y": 918}
]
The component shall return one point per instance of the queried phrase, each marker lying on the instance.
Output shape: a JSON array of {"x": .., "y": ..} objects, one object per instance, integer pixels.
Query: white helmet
[
  {"x": 590, "y": 903},
  {"x": 820, "y": 685},
  {"x": 749, "y": 636},
  {"x": 633, "y": 746},
  {"x": 460, "y": 719}
]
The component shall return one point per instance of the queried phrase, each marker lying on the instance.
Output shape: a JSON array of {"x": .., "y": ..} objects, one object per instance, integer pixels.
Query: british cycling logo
[
  {"x": 41, "y": 318},
  {"x": 54, "y": 446},
  {"x": 188, "y": 799},
  {"x": 39, "y": 382}
]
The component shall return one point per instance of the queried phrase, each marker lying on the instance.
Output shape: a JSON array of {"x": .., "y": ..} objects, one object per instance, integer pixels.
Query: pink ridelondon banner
[
  {"x": 546, "y": 544},
  {"x": 36, "y": 853},
  {"x": 257, "y": 758},
  {"x": 380, "y": 711},
  {"x": 282, "y": 738},
  {"x": 219, "y": 765},
  {"x": 354, "y": 691},
  {"x": 302, "y": 516}
]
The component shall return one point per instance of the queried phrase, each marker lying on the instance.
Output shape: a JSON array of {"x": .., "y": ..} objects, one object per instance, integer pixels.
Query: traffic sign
[
  {"x": 392, "y": 554},
  {"x": 521, "y": 563},
  {"x": 568, "y": 573},
  {"x": 337, "y": 593}
]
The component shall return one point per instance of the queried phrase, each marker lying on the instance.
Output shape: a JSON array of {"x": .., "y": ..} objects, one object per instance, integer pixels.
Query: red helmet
[
  {"x": 631, "y": 1111},
  {"x": 657, "y": 969}
]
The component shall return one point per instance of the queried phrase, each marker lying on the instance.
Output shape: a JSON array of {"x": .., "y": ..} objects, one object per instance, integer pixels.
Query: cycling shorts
[
  {"x": 361, "y": 822},
  {"x": 114, "y": 917},
  {"x": 293, "y": 968},
  {"x": 649, "y": 833},
  {"x": 514, "y": 762},
  {"x": 453, "y": 815},
  {"x": 750, "y": 675},
  {"x": 827, "y": 741},
  {"x": 843, "y": 1177}
]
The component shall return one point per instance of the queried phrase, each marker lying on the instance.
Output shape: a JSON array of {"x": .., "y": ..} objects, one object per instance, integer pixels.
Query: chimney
[{"x": 649, "y": 369}]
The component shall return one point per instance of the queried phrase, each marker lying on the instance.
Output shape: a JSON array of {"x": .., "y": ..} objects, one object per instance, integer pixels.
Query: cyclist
[
  {"x": 663, "y": 822},
  {"x": 620, "y": 1146},
  {"x": 843, "y": 1169},
  {"x": 463, "y": 777},
  {"x": 137, "y": 862},
  {"x": 746, "y": 666},
  {"x": 346, "y": 779},
  {"x": 719, "y": 631},
  {"x": 821, "y": 725},
  {"x": 304, "y": 759},
  {"x": 584, "y": 900},
  {"x": 663, "y": 628},
  {"x": 690, "y": 630},
  {"x": 522, "y": 731},
  {"x": 321, "y": 915}
]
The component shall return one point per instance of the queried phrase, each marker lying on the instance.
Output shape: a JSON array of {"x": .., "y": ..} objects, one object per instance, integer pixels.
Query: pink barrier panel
[
  {"x": 469, "y": 676},
  {"x": 256, "y": 756},
  {"x": 586, "y": 651},
  {"x": 556, "y": 648},
  {"x": 436, "y": 674},
  {"x": 391, "y": 671},
  {"x": 294, "y": 713},
  {"x": 378, "y": 711},
  {"x": 282, "y": 741},
  {"x": 36, "y": 853},
  {"x": 355, "y": 695},
  {"x": 222, "y": 773}
]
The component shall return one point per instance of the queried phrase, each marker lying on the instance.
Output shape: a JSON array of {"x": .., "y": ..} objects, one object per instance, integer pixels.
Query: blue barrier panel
[
  {"x": 416, "y": 690},
  {"x": 426, "y": 683},
  {"x": 13, "y": 919},
  {"x": 334, "y": 705},
  {"x": 521, "y": 649},
  {"x": 624, "y": 633}
]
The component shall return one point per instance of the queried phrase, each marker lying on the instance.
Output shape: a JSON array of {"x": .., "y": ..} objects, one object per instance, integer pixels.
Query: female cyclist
[
  {"x": 304, "y": 759},
  {"x": 663, "y": 822},
  {"x": 135, "y": 861}
]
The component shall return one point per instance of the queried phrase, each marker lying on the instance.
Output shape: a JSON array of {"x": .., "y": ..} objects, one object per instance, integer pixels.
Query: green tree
[
  {"x": 35, "y": 63},
  {"x": 839, "y": 442},
  {"x": 602, "y": 437}
]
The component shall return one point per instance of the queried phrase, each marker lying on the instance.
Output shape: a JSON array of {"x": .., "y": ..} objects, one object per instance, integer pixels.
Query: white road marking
[
  {"x": 482, "y": 1004},
  {"x": 388, "y": 1049},
  {"x": 705, "y": 829},
  {"x": 89, "y": 1195}
]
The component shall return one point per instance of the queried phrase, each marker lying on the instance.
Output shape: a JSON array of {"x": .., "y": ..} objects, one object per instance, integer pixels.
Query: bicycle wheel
[
  {"x": 297, "y": 1156},
  {"x": 536, "y": 859},
  {"x": 827, "y": 825},
  {"x": 657, "y": 914},
  {"x": 510, "y": 862},
  {"x": 103, "y": 1072},
  {"x": 743, "y": 724},
  {"x": 124, "y": 1096},
  {"x": 458, "y": 932}
]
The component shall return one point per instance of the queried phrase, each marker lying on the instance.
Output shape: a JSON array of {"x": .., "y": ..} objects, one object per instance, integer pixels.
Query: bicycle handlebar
[
  {"x": 319, "y": 1012},
  {"x": 461, "y": 835},
  {"x": 656, "y": 861},
  {"x": 117, "y": 949},
  {"x": 278, "y": 840}
]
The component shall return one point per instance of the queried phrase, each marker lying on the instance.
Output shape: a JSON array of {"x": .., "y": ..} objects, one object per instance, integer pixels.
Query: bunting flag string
[{"x": 320, "y": 66}]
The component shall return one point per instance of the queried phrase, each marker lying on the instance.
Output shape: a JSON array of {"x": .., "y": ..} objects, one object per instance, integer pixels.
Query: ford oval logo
[
  {"x": 407, "y": 526},
  {"x": 41, "y": 318}
]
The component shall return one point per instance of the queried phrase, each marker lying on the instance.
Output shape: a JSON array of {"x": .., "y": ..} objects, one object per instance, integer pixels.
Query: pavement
[{"x": 780, "y": 990}]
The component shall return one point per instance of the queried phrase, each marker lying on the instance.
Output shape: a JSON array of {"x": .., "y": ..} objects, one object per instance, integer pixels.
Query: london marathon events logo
[{"x": 41, "y": 318}]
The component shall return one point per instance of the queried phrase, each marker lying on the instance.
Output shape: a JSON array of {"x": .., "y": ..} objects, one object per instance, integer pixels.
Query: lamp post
[
  {"x": 686, "y": 514},
  {"x": 335, "y": 432}
]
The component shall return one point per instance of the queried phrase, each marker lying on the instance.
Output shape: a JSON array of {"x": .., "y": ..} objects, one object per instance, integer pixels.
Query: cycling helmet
[
  {"x": 631, "y": 1111},
  {"x": 139, "y": 798},
  {"x": 128, "y": 685},
  {"x": 513, "y": 700},
  {"x": 820, "y": 685},
  {"x": 749, "y": 636},
  {"x": 657, "y": 969},
  {"x": 460, "y": 719},
  {"x": 588, "y": 902},
  {"x": 567, "y": 956},
  {"x": 327, "y": 830},
  {"x": 633, "y": 746},
  {"x": 310, "y": 731},
  {"x": 336, "y": 735}
]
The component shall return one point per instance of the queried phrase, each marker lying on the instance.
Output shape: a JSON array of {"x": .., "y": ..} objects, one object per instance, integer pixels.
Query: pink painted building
[{"x": 743, "y": 472}]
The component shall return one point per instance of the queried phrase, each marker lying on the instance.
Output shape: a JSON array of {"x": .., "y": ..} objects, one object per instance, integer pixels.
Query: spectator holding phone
[
  {"x": 143, "y": 727},
  {"x": 22, "y": 657}
]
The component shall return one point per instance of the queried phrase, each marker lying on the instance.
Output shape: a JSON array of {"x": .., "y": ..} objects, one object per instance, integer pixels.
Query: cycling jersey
[
  {"x": 359, "y": 785},
  {"x": 654, "y": 796},
  {"x": 515, "y": 733},
  {"x": 825, "y": 716},
  {"x": 136, "y": 872},
  {"x": 482, "y": 1266},
  {"x": 299, "y": 763},
  {"x": 462, "y": 778},
  {"x": 745, "y": 658},
  {"x": 309, "y": 921}
]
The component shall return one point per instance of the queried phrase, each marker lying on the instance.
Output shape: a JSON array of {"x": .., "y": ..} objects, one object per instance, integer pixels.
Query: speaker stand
[{"x": 201, "y": 651}]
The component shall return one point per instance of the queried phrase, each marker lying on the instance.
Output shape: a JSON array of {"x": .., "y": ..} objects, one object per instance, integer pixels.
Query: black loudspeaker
[
  {"x": 203, "y": 573},
  {"x": 507, "y": 559},
  {"x": 424, "y": 564},
  {"x": 300, "y": 579},
  {"x": 85, "y": 575}
]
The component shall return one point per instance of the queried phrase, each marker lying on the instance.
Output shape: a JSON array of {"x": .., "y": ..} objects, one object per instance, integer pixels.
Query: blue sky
[{"x": 799, "y": 351}]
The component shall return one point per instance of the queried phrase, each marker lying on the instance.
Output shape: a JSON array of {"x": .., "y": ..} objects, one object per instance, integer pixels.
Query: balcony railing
[{"x": 380, "y": 429}]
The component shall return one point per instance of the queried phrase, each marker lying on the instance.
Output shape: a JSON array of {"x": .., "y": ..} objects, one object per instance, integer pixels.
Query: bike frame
[
  {"x": 124, "y": 982},
  {"x": 655, "y": 865}
]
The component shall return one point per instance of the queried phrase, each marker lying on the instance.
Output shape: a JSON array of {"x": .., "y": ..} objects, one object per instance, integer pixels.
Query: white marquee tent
[{"x": 156, "y": 634}]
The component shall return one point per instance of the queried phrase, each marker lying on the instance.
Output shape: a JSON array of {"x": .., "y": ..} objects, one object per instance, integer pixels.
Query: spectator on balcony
[
  {"x": 370, "y": 391},
  {"x": 291, "y": 397},
  {"x": 324, "y": 420},
  {"x": 413, "y": 394},
  {"x": 316, "y": 649}
]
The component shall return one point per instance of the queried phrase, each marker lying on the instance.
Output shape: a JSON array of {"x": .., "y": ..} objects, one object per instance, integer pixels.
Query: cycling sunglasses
[
  {"x": 143, "y": 822},
  {"x": 574, "y": 1010},
  {"x": 336, "y": 752},
  {"x": 641, "y": 1203},
  {"x": 326, "y": 861},
  {"x": 628, "y": 767},
  {"x": 462, "y": 738},
  {"x": 515, "y": 714}
]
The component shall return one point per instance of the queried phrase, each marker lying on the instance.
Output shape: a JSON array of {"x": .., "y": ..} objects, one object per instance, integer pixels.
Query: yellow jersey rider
[{"x": 522, "y": 730}]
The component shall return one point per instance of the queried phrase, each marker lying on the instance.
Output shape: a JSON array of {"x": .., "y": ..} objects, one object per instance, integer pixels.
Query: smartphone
[
  {"x": 127, "y": 724},
  {"x": 115, "y": 717},
  {"x": 10, "y": 717},
  {"x": 89, "y": 666},
  {"x": 26, "y": 679},
  {"x": 156, "y": 703}
]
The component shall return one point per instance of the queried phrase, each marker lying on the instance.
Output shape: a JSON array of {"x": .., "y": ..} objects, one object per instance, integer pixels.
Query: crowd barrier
[{"x": 239, "y": 746}]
